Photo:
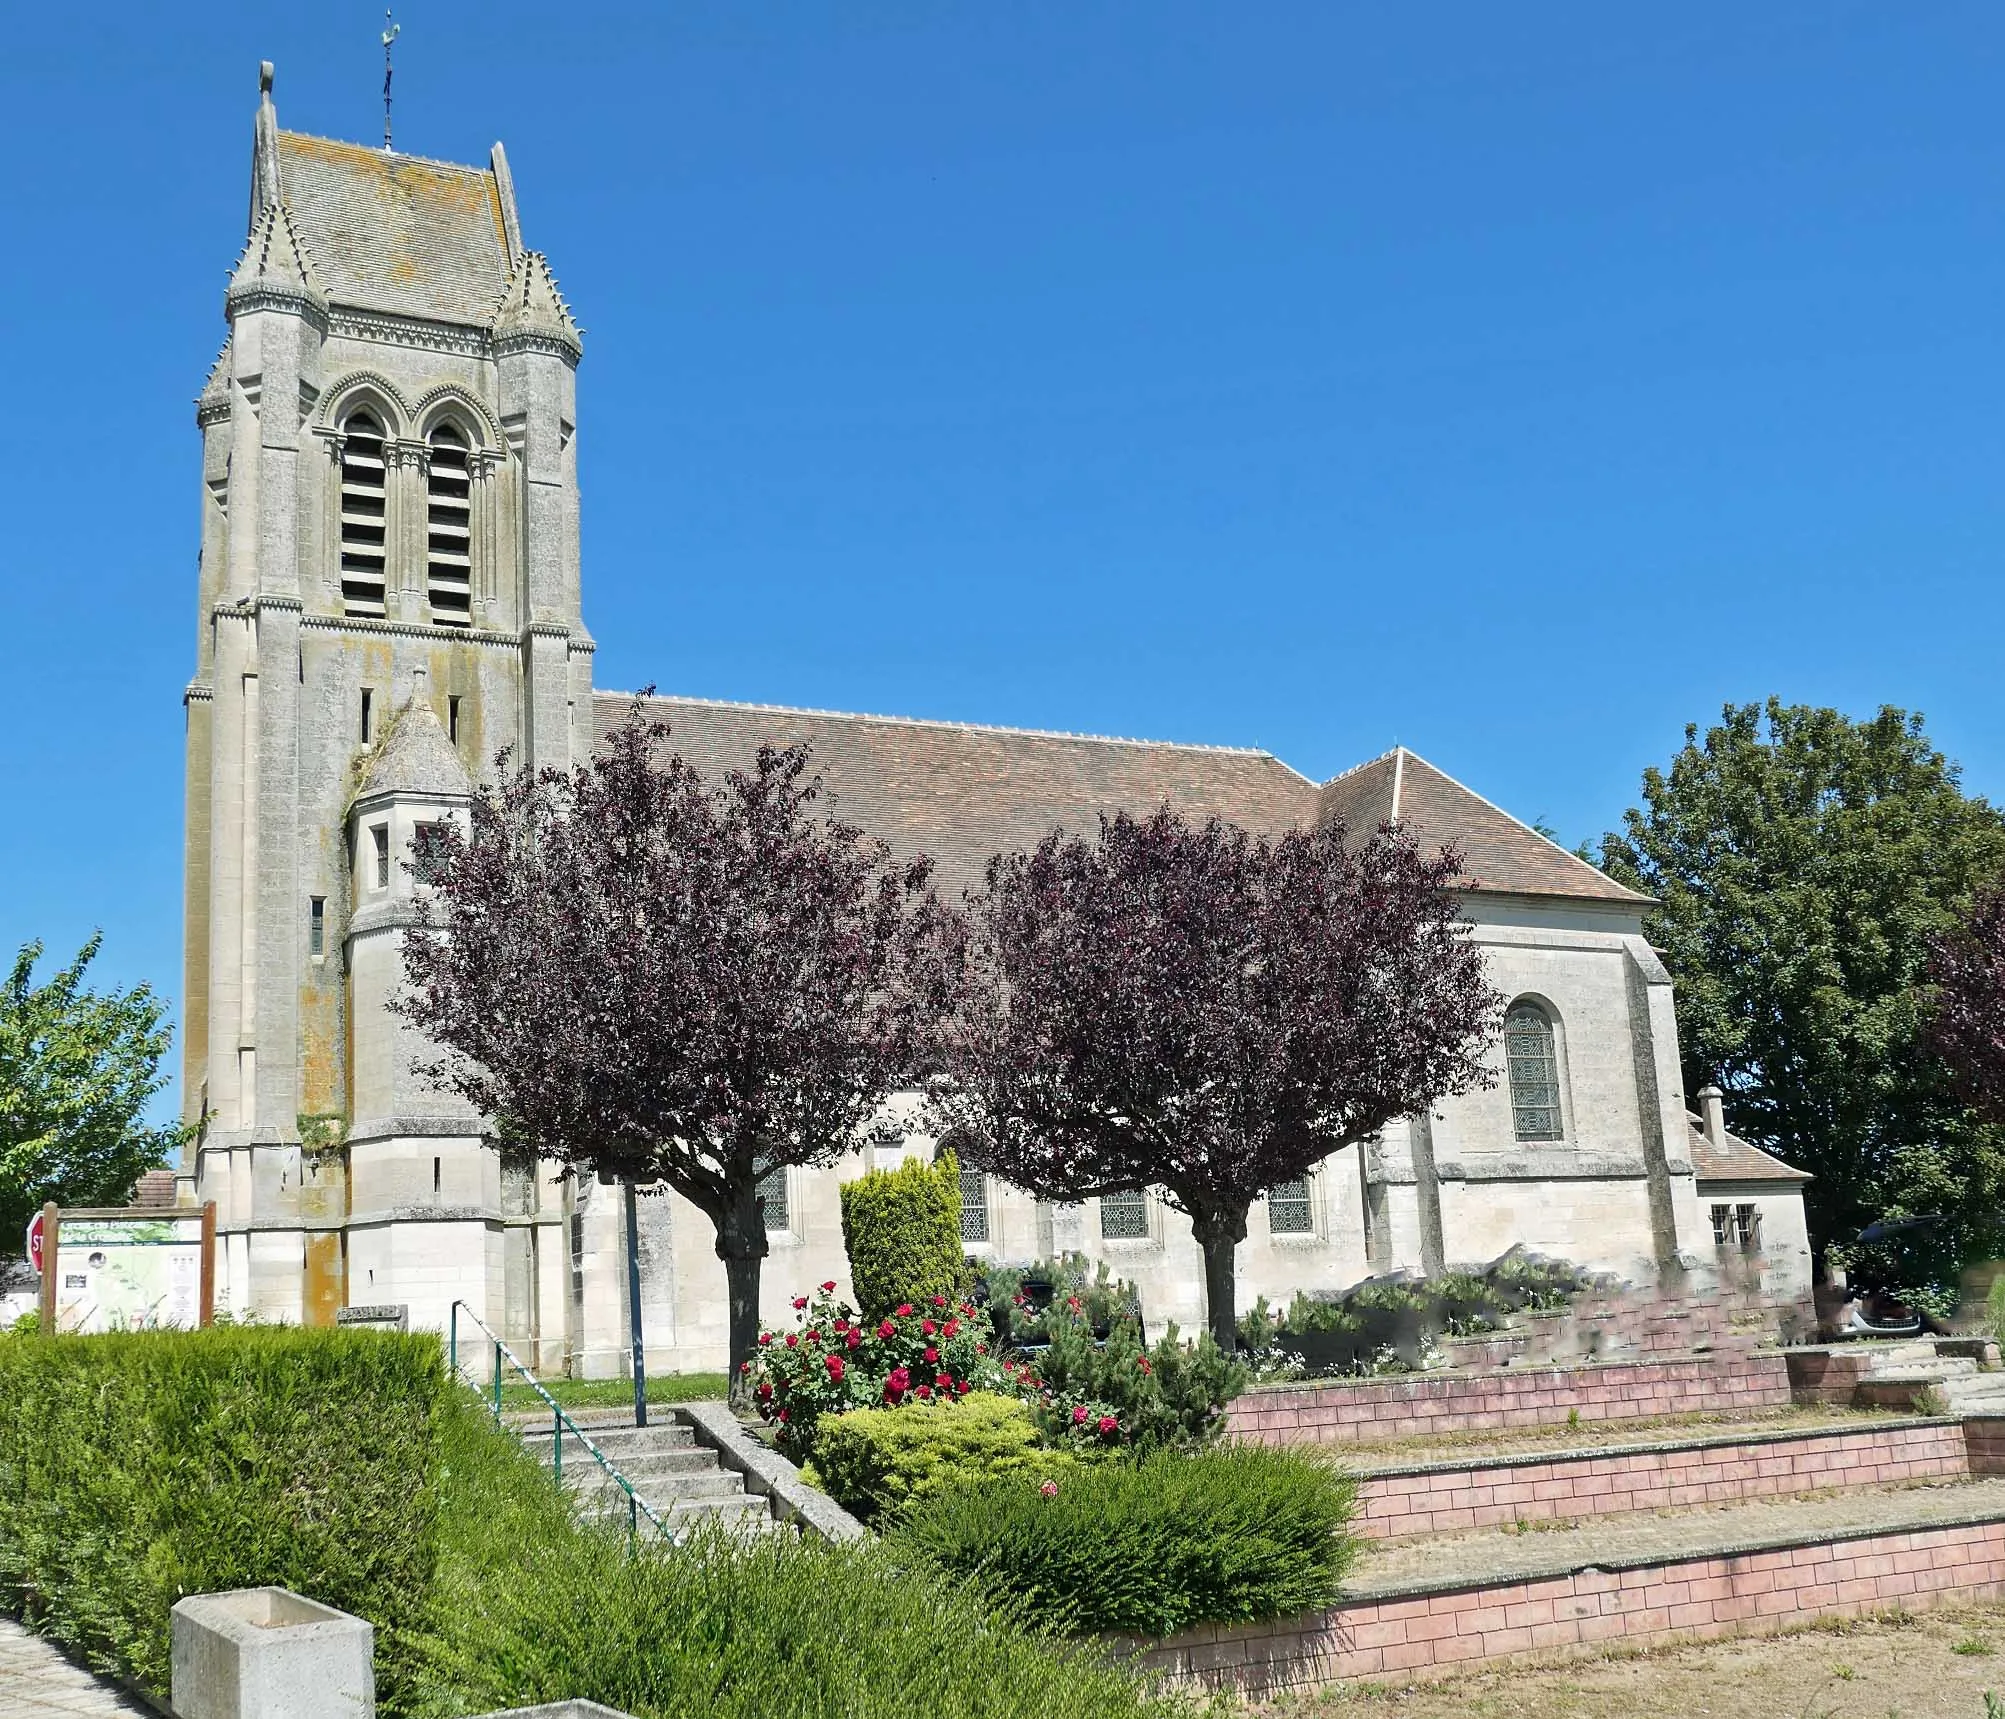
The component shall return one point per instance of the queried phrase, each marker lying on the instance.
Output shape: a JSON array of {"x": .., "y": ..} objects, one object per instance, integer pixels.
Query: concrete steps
[{"x": 681, "y": 1481}]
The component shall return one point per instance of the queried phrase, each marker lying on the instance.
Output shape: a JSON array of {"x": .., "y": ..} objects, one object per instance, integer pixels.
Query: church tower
[{"x": 388, "y": 596}]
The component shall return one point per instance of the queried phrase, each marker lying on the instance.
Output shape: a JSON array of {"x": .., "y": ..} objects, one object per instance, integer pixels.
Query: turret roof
[
  {"x": 415, "y": 758},
  {"x": 531, "y": 304},
  {"x": 276, "y": 256}
]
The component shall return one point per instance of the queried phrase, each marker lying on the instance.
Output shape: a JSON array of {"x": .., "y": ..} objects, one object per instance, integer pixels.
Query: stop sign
[{"x": 35, "y": 1242}]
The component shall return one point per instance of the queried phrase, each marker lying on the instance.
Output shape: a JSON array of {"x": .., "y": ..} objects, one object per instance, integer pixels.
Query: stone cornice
[
  {"x": 278, "y": 296},
  {"x": 198, "y": 692},
  {"x": 408, "y": 630},
  {"x": 415, "y": 332},
  {"x": 542, "y": 345}
]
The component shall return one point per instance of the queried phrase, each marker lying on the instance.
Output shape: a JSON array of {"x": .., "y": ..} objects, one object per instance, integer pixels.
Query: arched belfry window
[
  {"x": 449, "y": 530},
  {"x": 1533, "y": 1061},
  {"x": 364, "y": 516}
]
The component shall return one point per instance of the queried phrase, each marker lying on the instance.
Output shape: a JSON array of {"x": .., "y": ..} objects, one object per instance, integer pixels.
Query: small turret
[{"x": 532, "y": 312}]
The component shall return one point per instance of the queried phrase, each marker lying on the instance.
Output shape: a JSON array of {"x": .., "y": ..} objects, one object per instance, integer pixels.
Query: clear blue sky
[{"x": 1517, "y": 382}]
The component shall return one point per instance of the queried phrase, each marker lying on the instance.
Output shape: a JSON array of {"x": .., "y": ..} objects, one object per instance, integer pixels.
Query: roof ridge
[
  {"x": 948, "y": 722},
  {"x": 388, "y": 154},
  {"x": 1345, "y": 775}
]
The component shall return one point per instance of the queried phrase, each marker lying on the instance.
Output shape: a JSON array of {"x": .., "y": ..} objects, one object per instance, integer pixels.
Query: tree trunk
[
  {"x": 1219, "y": 1234},
  {"x": 741, "y": 1245}
]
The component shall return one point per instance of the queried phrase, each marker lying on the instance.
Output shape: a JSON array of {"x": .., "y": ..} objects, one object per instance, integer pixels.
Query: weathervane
[{"x": 389, "y": 36}]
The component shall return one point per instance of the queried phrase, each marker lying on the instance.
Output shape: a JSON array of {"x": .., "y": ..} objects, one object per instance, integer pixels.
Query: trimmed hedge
[
  {"x": 140, "y": 1467},
  {"x": 532, "y": 1608},
  {"x": 875, "y": 1462},
  {"x": 902, "y": 1231},
  {"x": 1231, "y": 1535}
]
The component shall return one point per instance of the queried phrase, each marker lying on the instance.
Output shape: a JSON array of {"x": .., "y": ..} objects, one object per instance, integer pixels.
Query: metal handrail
[{"x": 637, "y": 1506}]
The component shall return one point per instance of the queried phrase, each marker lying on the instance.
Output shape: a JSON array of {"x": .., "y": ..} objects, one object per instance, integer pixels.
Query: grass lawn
[{"x": 619, "y": 1393}]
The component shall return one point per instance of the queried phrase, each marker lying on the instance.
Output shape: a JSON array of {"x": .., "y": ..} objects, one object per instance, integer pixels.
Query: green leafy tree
[
  {"x": 1806, "y": 865},
  {"x": 77, "y": 1068}
]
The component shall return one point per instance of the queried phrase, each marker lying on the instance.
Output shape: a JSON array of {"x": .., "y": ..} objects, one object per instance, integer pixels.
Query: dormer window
[
  {"x": 364, "y": 517},
  {"x": 449, "y": 529}
]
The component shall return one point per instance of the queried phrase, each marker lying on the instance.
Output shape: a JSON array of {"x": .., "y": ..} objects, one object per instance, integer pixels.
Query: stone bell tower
[{"x": 388, "y": 595}]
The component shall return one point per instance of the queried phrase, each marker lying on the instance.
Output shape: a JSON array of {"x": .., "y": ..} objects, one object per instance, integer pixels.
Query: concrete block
[{"x": 264, "y": 1653}]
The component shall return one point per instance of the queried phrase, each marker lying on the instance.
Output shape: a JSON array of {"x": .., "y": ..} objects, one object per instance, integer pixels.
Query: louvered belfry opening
[
  {"x": 449, "y": 530},
  {"x": 364, "y": 517}
]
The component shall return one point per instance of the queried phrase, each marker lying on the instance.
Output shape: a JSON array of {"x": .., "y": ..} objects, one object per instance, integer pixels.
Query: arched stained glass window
[{"x": 1534, "y": 1071}]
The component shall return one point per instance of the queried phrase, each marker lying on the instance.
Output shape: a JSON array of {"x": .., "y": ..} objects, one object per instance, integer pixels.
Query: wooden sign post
[{"x": 51, "y": 1228}]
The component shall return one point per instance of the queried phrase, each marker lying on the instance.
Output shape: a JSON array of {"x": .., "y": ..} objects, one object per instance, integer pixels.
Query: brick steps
[{"x": 1455, "y": 1497}]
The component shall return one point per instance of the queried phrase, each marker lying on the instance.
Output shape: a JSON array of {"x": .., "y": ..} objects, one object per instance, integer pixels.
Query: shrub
[
  {"x": 532, "y": 1608},
  {"x": 1994, "y": 1308},
  {"x": 875, "y": 1462},
  {"x": 902, "y": 1231},
  {"x": 1232, "y": 1535},
  {"x": 137, "y": 1468},
  {"x": 834, "y": 1361},
  {"x": 1078, "y": 1285},
  {"x": 1172, "y": 1395}
]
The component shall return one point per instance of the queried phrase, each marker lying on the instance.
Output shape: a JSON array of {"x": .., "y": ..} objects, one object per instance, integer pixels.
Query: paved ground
[
  {"x": 1925, "y": 1665},
  {"x": 37, "y": 1681},
  {"x": 1478, "y": 1443},
  {"x": 1550, "y": 1548}
]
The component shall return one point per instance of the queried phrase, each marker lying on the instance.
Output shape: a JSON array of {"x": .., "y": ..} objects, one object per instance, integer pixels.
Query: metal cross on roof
[{"x": 389, "y": 35}]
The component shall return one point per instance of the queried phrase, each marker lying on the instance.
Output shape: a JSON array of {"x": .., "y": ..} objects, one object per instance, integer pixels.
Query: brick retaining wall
[
  {"x": 1695, "y": 1597},
  {"x": 1353, "y": 1411},
  {"x": 1984, "y": 1438},
  {"x": 1444, "y": 1498}
]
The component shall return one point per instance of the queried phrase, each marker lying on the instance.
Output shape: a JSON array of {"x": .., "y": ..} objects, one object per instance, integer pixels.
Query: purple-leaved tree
[
  {"x": 1967, "y": 1028},
  {"x": 655, "y": 979},
  {"x": 1204, "y": 1012}
]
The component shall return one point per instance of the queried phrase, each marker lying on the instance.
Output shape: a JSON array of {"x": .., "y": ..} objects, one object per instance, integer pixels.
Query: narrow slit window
[
  {"x": 368, "y": 715},
  {"x": 974, "y": 1202},
  {"x": 316, "y": 926},
  {"x": 379, "y": 835},
  {"x": 1124, "y": 1216},
  {"x": 365, "y": 518},
  {"x": 452, "y": 717},
  {"x": 449, "y": 529},
  {"x": 1289, "y": 1212},
  {"x": 773, "y": 1199},
  {"x": 1534, "y": 1070}
]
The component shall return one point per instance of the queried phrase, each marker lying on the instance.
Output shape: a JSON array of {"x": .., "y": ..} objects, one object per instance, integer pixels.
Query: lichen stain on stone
[{"x": 326, "y": 1288}]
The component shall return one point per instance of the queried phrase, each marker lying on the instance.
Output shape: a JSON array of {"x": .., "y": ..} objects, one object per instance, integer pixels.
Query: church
[{"x": 390, "y": 593}]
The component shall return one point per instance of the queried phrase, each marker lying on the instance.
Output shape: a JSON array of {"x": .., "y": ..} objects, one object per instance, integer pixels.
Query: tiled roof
[
  {"x": 961, "y": 792},
  {"x": 154, "y": 1191},
  {"x": 1498, "y": 852},
  {"x": 1732, "y": 1159},
  {"x": 397, "y": 233}
]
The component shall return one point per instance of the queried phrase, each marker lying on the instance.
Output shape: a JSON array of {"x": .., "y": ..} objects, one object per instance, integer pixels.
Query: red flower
[
  {"x": 939, "y": 1301},
  {"x": 814, "y": 1334},
  {"x": 944, "y": 1380},
  {"x": 765, "y": 1393},
  {"x": 793, "y": 1342},
  {"x": 744, "y": 1366},
  {"x": 905, "y": 1310},
  {"x": 1109, "y": 1426},
  {"x": 1049, "y": 1489},
  {"x": 782, "y": 1415},
  {"x": 1072, "y": 1304},
  {"x": 887, "y": 1330},
  {"x": 925, "y": 1392},
  {"x": 1078, "y": 1414},
  {"x": 854, "y": 1338},
  {"x": 927, "y": 1327},
  {"x": 951, "y": 1328},
  {"x": 931, "y": 1354},
  {"x": 1142, "y": 1361},
  {"x": 961, "y": 1388},
  {"x": 828, "y": 1288},
  {"x": 765, "y": 1337},
  {"x": 800, "y": 1301},
  {"x": 834, "y": 1364},
  {"x": 981, "y": 1348},
  {"x": 841, "y": 1325}
]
